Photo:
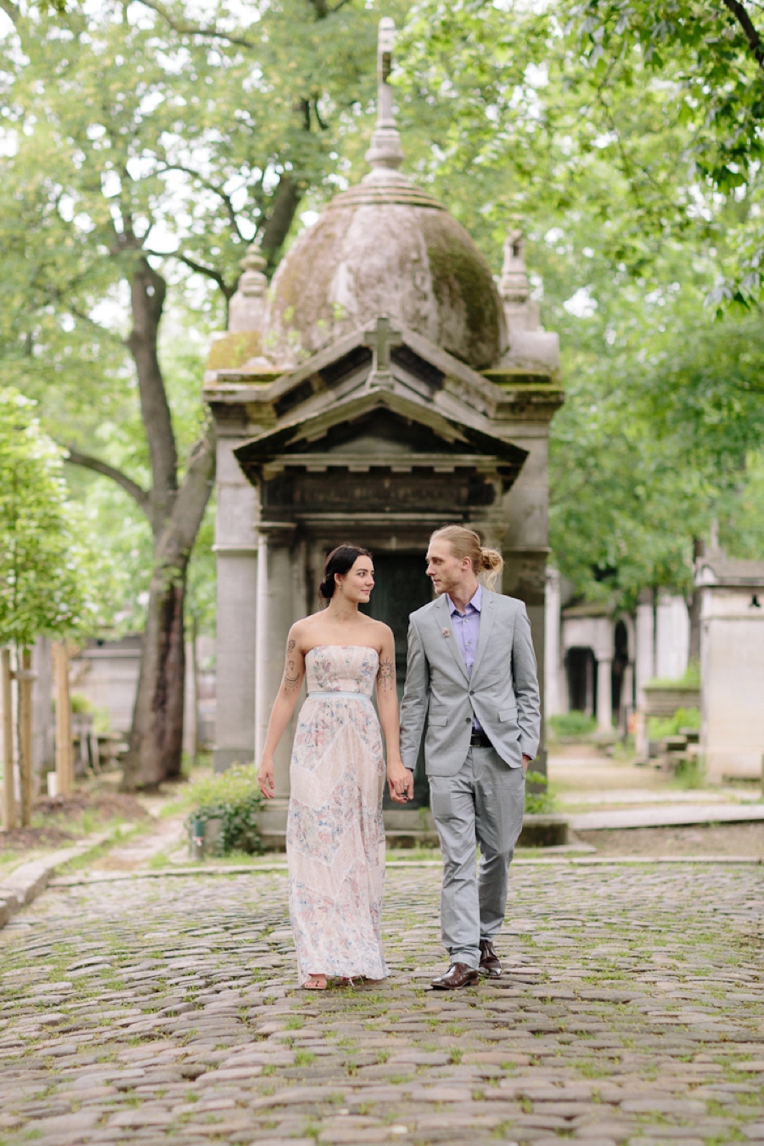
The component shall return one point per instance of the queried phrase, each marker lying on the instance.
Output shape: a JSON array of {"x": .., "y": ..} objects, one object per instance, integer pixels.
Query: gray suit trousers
[{"x": 483, "y": 803}]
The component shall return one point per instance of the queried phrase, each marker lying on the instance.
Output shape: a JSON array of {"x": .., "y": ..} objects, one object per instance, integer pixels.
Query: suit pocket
[
  {"x": 441, "y": 801},
  {"x": 437, "y": 721},
  {"x": 508, "y": 714}
]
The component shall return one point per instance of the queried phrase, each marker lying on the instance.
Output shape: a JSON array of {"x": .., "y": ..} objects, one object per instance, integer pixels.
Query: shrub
[
  {"x": 660, "y": 726},
  {"x": 234, "y": 798},
  {"x": 538, "y": 803},
  {"x": 572, "y": 724}
]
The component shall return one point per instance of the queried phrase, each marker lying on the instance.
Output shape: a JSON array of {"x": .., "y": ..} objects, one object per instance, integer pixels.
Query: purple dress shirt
[{"x": 467, "y": 631}]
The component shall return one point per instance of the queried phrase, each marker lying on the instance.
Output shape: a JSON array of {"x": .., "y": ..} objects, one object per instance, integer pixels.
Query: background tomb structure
[
  {"x": 600, "y": 658},
  {"x": 731, "y": 666},
  {"x": 384, "y": 386}
]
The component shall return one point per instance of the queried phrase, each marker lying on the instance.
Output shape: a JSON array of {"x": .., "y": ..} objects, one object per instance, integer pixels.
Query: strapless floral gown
[{"x": 335, "y": 833}]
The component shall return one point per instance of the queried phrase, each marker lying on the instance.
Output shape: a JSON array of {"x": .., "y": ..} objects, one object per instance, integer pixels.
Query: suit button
[
  {"x": 472, "y": 694},
  {"x": 469, "y": 719}
]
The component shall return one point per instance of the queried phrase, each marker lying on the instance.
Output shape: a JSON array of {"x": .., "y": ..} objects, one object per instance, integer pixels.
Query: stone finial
[
  {"x": 247, "y": 307},
  {"x": 520, "y": 310},
  {"x": 385, "y": 154},
  {"x": 513, "y": 285}
]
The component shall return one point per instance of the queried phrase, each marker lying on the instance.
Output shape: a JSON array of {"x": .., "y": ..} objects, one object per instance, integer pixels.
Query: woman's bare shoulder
[
  {"x": 301, "y": 630},
  {"x": 381, "y": 632}
]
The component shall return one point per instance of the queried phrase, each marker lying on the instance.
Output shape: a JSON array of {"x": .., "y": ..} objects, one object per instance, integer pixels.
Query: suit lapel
[
  {"x": 443, "y": 620},
  {"x": 486, "y": 623}
]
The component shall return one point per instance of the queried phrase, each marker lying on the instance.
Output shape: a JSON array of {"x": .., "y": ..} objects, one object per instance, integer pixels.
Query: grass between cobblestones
[{"x": 165, "y": 1011}]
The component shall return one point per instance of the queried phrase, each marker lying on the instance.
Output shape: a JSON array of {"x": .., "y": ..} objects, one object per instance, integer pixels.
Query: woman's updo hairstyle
[
  {"x": 487, "y": 563},
  {"x": 341, "y": 560}
]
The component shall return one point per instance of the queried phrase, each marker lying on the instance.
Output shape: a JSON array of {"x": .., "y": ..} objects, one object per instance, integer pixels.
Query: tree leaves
[{"x": 49, "y": 573}]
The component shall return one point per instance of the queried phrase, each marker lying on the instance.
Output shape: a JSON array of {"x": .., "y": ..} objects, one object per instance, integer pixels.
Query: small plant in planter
[{"x": 231, "y": 801}]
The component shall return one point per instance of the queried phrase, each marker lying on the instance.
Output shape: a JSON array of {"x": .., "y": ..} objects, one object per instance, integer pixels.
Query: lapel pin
[{"x": 446, "y": 632}]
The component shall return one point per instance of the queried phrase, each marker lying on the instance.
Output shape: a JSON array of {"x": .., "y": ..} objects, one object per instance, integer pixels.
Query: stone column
[
  {"x": 604, "y": 695},
  {"x": 276, "y": 611},
  {"x": 553, "y": 698},
  {"x": 644, "y": 663},
  {"x": 236, "y": 550},
  {"x": 525, "y": 547},
  {"x": 644, "y": 658}
]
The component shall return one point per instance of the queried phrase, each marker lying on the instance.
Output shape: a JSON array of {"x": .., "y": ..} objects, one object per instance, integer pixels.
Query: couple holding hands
[{"x": 471, "y": 683}]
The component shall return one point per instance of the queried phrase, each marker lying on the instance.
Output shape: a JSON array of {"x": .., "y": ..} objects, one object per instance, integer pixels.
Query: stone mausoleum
[{"x": 383, "y": 386}]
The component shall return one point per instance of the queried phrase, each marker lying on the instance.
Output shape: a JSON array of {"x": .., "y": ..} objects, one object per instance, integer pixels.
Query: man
[{"x": 471, "y": 677}]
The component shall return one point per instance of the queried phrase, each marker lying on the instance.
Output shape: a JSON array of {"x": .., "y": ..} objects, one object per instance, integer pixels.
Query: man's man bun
[{"x": 487, "y": 563}]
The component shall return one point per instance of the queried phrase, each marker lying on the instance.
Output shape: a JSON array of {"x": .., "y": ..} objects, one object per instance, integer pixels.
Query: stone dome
[
  {"x": 386, "y": 247},
  {"x": 391, "y": 249}
]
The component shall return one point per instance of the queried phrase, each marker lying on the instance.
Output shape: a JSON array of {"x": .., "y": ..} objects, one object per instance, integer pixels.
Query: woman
[{"x": 335, "y": 834}]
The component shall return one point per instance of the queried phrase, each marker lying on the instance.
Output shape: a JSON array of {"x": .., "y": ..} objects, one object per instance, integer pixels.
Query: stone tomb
[
  {"x": 386, "y": 386},
  {"x": 731, "y": 666}
]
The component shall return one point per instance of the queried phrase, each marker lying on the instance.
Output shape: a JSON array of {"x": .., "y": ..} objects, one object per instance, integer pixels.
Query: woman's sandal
[{"x": 315, "y": 983}]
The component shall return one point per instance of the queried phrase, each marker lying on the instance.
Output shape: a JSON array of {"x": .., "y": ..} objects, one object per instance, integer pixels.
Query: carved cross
[{"x": 381, "y": 340}]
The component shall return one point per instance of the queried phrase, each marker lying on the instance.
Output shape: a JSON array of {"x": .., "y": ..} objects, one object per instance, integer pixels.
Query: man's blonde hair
[{"x": 464, "y": 542}]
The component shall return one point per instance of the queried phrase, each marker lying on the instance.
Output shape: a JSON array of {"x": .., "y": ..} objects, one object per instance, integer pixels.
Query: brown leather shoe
[
  {"x": 490, "y": 963},
  {"x": 457, "y": 976}
]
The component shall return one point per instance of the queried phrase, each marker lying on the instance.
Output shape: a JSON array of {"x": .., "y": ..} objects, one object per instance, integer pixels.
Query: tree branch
[
  {"x": 10, "y": 10},
  {"x": 279, "y": 220},
  {"x": 137, "y": 493},
  {"x": 210, "y": 187},
  {"x": 195, "y": 29},
  {"x": 750, "y": 33},
  {"x": 208, "y": 272}
]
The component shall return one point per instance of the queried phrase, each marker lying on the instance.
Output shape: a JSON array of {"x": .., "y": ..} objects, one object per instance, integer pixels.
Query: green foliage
[
  {"x": 48, "y": 574},
  {"x": 690, "y": 679},
  {"x": 604, "y": 153},
  {"x": 234, "y": 798},
  {"x": 538, "y": 802},
  {"x": 709, "y": 59},
  {"x": 689, "y": 775},
  {"x": 572, "y": 724},
  {"x": 659, "y": 727}
]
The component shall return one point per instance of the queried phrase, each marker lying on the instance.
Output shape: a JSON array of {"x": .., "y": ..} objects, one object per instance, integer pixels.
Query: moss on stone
[
  {"x": 233, "y": 350},
  {"x": 462, "y": 281}
]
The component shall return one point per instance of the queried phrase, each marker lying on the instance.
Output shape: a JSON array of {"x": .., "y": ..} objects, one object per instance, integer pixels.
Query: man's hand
[
  {"x": 526, "y": 762},
  {"x": 400, "y": 781}
]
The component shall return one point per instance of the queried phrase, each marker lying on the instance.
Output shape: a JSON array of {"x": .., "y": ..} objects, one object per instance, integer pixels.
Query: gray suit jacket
[{"x": 502, "y": 692}]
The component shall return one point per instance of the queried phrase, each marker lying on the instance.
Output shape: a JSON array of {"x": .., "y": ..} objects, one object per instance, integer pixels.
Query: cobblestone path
[{"x": 154, "y": 1011}]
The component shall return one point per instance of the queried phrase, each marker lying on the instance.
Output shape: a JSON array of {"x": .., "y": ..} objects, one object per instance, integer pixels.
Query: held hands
[
  {"x": 400, "y": 781},
  {"x": 266, "y": 780}
]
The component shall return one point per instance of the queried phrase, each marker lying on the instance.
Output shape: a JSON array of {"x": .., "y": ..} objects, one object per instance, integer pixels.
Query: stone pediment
[
  {"x": 404, "y": 357},
  {"x": 371, "y": 427}
]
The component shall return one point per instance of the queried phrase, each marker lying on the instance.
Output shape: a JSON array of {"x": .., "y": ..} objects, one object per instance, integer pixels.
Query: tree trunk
[
  {"x": 693, "y": 608},
  {"x": 156, "y": 739},
  {"x": 285, "y": 204}
]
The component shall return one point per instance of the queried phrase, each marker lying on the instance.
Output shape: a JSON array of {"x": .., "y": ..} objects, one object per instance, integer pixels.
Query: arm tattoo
[
  {"x": 291, "y": 677},
  {"x": 291, "y": 646},
  {"x": 386, "y": 674}
]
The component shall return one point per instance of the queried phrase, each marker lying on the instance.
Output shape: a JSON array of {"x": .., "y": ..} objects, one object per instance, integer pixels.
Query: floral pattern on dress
[{"x": 335, "y": 833}]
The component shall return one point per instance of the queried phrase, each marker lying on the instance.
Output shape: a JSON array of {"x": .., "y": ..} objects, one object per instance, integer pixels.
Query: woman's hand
[
  {"x": 400, "y": 781},
  {"x": 266, "y": 779}
]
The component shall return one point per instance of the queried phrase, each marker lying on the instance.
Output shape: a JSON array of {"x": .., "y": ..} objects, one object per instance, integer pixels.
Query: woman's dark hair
[{"x": 341, "y": 560}]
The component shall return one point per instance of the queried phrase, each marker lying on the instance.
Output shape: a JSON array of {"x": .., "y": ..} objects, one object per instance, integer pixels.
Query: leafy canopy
[{"x": 48, "y": 573}]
